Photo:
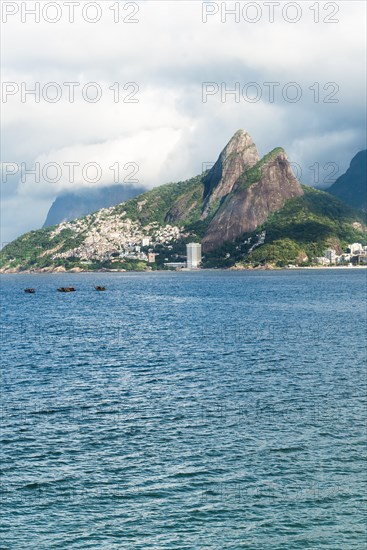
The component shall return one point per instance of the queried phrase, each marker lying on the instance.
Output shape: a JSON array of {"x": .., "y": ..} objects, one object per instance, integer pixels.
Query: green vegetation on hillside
[
  {"x": 35, "y": 249},
  {"x": 305, "y": 227},
  {"x": 279, "y": 252},
  {"x": 155, "y": 205},
  {"x": 174, "y": 203},
  {"x": 313, "y": 220}
]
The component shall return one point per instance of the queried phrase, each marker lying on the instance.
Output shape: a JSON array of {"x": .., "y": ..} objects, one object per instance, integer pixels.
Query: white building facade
[{"x": 193, "y": 251}]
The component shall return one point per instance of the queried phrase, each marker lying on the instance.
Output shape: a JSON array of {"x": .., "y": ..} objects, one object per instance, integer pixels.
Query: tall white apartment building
[{"x": 193, "y": 251}]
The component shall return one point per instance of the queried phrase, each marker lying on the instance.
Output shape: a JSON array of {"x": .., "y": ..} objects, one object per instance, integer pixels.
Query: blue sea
[{"x": 192, "y": 410}]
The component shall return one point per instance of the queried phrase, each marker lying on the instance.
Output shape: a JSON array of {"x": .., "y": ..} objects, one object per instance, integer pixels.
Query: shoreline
[{"x": 81, "y": 271}]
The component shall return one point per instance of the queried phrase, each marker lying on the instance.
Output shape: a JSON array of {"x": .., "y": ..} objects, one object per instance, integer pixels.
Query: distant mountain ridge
[
  {"x": 351, "y": 187},
  {"x": 224, "y": 208},
  {"x": 70, "y": 206}
]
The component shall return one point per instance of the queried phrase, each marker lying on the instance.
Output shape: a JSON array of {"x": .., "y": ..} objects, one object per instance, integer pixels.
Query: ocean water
[{"x": 202, "y": 410}]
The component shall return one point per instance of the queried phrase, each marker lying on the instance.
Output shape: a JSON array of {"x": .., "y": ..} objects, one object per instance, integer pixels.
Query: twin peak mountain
[
  {"x": 239, "y": 195},
  {"x": 241, "y": 190}
]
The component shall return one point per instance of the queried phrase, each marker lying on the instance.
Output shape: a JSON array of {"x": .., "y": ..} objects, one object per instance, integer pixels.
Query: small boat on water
[
  {"x": 29, "y": 290},
  {"x": 100, "y": 288},
  {"x": 66, "y": 289}
]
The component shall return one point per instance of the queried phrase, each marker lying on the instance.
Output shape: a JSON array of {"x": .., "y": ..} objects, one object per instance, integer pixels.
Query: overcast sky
[{"x": 168, "y": 132}]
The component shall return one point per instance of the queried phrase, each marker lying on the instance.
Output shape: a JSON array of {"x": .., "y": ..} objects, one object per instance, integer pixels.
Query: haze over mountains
[
  {"x": 226, "y": 209},
  {"x": 69, "y": 206}
]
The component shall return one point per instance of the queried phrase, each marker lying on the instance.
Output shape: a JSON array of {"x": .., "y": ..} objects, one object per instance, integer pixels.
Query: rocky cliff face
[
  {"x": 257, "y": 193},
  {"x": 238, "y": 155}
]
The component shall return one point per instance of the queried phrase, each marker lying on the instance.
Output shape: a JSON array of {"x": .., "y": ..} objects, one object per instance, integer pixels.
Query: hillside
[
  {"x": 229, "y": 209},
  {"x": 304, "y": 228},
  {"x": 95, "y": 241},
  {"x": 351, "y": 187}
]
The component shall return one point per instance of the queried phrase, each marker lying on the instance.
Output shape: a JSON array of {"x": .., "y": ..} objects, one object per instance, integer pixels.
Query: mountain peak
[
  {"x": 261, "y": 190},
  {"x": 239, "y": 135},
  {"x": 238, "y": 155}
]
